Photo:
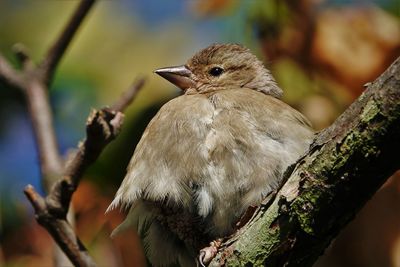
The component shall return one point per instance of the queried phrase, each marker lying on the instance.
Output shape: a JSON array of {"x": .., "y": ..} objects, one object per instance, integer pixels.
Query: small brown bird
[{"x": 209, "y": 154}]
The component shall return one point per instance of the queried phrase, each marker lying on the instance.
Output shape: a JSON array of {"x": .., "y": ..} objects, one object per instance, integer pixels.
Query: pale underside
[{"x": 222, "y": 152}]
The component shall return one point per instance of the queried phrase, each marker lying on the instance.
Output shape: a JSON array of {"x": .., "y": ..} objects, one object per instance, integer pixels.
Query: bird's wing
[{"x": 167, "y": 155}]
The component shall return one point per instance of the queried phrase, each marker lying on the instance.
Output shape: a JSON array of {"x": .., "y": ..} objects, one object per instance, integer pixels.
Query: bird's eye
[{"x": 216, "y": 71}]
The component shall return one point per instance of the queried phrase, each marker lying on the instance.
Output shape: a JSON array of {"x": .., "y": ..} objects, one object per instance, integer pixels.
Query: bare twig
[
  {"x": 9, "y": 75},
  {"x": 60, "y": 229},
  {"x": 51, "y": 164},
  {"x": 34, "y": 81},
  {"x": 21, "y": 53},
  {"x": 102, "y": 127},
  {"x": 55, "y": 53},
  {"x": 129, "y": 95},
  {"x": 36, "y": 93},
  {"x": 36, "y": 200}
]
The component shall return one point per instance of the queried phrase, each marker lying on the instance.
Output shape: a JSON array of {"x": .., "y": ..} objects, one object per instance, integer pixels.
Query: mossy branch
[{"x": 346, "y": 164}]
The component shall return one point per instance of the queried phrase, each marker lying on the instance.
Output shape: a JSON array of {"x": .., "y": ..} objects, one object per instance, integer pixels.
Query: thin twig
[
  {"x": 102, "y": 127},
  {"x": 51, "y": 164},
  {"x": 60, "y": 229},
  {"x": 36, "y": 93},
  {"x": 129, "y": 95},
  {"x": 34, "y": 81},
  {"x": 36, "y": 200},
  {"x": 9, "y": 75},
  {"x": 55, "y": 53},
  {"x": 22, "y": 55}
]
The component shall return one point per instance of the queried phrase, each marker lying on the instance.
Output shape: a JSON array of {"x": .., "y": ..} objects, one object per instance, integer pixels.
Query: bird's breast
[{"x": 212, "y": 154}]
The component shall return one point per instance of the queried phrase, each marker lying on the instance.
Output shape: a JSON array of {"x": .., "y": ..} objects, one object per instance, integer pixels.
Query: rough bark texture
[{"x": 347, "y": 163}]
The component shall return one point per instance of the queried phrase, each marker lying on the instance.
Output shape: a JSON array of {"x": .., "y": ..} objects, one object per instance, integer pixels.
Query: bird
[{"x": 207, "y": 155}]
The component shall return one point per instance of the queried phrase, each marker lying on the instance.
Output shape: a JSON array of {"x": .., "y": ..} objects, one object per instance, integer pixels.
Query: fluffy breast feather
[
  {"x": 215, "y": 156},
  {"x": 168, "y": 153}
]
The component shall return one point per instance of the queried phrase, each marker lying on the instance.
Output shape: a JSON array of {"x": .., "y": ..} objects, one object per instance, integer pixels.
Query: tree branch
[
  {"x": 55, "y": 53},
  {"x": 51, "y": 164},
  {"x": 51, "y": 212},
  {"x": 33, "y": 81},
  {"x": 102, "y": 127},
  {"x": 346, "y": 164},
  {"x": 129, "y": 95},
  {"x": 9, "y": 75},
  {"x": 60, "y": 229}
]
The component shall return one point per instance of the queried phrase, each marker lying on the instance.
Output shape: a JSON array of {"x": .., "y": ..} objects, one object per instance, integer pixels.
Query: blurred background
[{"x": 321, "y": 53}]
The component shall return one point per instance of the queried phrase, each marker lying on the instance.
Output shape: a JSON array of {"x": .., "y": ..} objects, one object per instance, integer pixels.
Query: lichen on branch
[{"x": 346, "y": 164}]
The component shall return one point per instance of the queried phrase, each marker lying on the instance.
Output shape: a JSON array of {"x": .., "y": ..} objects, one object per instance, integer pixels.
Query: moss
[
  {"x": 350, "y": 162},
  {"x": 306, "y": 206},
  {"x": 370, "y": 111}
]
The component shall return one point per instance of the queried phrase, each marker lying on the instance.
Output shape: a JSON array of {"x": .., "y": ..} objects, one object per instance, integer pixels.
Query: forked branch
[{"x": 61, "y": 179}]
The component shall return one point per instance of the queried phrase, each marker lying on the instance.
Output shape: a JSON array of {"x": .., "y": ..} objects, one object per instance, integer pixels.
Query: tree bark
[
  {"x": 346, "y": 164},
  {"x": 61, "y": 178}
]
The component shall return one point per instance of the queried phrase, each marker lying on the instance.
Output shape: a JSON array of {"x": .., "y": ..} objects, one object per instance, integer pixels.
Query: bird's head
[{"x": 219, "y": 67}]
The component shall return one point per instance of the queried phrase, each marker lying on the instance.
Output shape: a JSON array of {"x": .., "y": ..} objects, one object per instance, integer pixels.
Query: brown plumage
[{"x": 209, "y": 154}]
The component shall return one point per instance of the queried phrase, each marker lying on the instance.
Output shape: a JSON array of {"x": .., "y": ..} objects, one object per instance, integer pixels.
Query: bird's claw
[{"x": 208, "y": 253}]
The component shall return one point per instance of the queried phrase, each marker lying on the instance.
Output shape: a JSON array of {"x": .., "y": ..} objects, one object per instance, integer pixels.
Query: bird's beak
[{"x": 180, "y": 76}]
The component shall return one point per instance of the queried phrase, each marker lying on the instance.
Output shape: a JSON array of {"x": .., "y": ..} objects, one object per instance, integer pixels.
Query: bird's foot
[{"x": 208, "y": 253}]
